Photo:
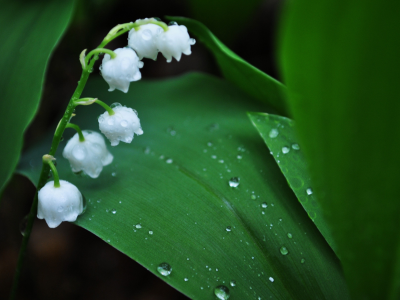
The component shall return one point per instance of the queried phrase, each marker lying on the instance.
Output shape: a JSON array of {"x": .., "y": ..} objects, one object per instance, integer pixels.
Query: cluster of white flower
[
  {"x": 147, "y": 41},
  {"x": 86, "y": 151}
]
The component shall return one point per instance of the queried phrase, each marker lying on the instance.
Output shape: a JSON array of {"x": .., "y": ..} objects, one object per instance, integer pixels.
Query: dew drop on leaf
[
  {"x": 222, "y": 292},
  {"x": 234, "y": 182},
  {"x": 228, "y": 228},
  {"x": 273, "y": 133},
  {"x": 233, "y": 283},
  {"x": 284, "y": 251},
  {"x": 164, "y": 269},
  {"x": 285, "y": 150},
  {"x": 309, "y": 191}
]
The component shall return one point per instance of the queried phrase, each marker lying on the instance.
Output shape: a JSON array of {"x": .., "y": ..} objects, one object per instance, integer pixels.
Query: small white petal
[
  {"x": 174, "y": 42},
  {"x": 143, "y": 40},
  {"x": 121, "y": 70},
  {"x": 88, "y": 156},
  {"x": 121, "y": 126},
  {"x": 58, "y": 204}
]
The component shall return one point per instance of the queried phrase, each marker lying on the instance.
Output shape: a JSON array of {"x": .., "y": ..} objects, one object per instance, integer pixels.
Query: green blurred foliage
[
  {"x": 30, "y": 32},
  {"x": 341, "y": 63}
]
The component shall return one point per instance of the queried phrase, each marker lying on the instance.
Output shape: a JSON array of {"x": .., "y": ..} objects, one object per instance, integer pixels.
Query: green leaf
[
  {"x": 342, "y": 66},
  {"x": 225, "y": 23},
  {"x": 30, "y": 32},
  {"x": 247, "y": 77},
  {"x": 173, "y": 181},
  {"x": 279, "y": 135}
]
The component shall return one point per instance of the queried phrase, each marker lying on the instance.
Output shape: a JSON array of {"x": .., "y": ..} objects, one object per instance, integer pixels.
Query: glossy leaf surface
[
  {"x": 31, "y": 29},
  {"x": 279, "y": 135},
  {"x": 342, "y": 66},
  {"x": 244, "y": 75},
  {"x": 166, "y": 198}
]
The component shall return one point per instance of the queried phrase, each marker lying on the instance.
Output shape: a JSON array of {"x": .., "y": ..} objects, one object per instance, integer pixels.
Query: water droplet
[
  {"x": 233, "y": 283},
  {"x": 23, "y": 224},
  {"x": 138, "y": 226},
  {"x": 114, "y": 211},
  {"x": 186, "y": 279},
  {"x": 254, "y": 197},
  {"x": 285, "y": 150},
  {"x": 296, "y": 146},
  {"x": 289, "y": 235},
  {"x": 146, "y": 150},
  {"x": 222, "y": 292},
  {"x": 228, "y": 228},
  {"x": 273, "y": 133},
  {"x": 309, "y": 191},
  {"x": 213, "y": 156},
  {"x": 169, "y": 161},
  {"x": 302, "y": 260},
  {"x": 113, "y": 174},
  {"x": 264, "y": 205},
  {"x": 172, "y": 23},
  {"x": 221, "y": 161},
  {"x": 271, "y": 279},
  {"x": 284, "y": 251},
  {"x": 115, "y": 104},
  {"x": 98, "y": 201},
  {"x": 239, "y": 157},
  {"x": 164, "y": 269},
  {"x": 234, "y": 182},
  {"x": 124, "y": 123}
]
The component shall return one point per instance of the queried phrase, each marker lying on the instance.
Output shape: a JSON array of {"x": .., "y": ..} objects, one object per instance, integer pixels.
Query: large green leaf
[
  {"x": 279, "y": 135},
  {"x": 30, "y": 31},
  {"x": 173, "y": 181},
  {"x": 244, "y": 75},
  {"x": 342, "y": 66}
]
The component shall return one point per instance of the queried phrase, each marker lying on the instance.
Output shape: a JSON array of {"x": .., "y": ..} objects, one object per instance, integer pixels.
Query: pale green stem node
[{"x": 48, "y": 159}]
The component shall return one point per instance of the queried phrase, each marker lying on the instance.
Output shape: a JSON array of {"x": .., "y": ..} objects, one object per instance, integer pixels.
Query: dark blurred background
[{"x": 69, "y": 262}]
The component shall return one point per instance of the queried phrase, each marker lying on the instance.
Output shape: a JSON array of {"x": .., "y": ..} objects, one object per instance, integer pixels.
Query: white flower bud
[
  {"x": 88, "y": 156},
  {"x": 121, "y": 70},
  {"x": 143, "y": 40},
  {"x": 174, "y": 42},
  {"x": 121, "y": 126},
  {"x": 57, "y": 204}
]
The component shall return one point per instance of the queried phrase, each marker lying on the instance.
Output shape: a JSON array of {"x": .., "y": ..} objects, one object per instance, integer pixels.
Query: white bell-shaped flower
[
  {"x": 143, "y": 40},
  {"x": 174, "y": 42},
  {"x": 57, "y": 204},
  {"x": 88, "y": 156},
  {"x": 121, "y": 70},
  {"x": 120, "y": 126}
]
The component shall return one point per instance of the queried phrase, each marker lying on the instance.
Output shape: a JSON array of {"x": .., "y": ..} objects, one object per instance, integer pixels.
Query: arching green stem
[
  {"x": 122, "y": 28},
  {"x": 105, "y": 106},
  {"x": 46, "y": 168},
  {"x": 99, "y": 51},
  {"x": 76, "y": 127}
]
